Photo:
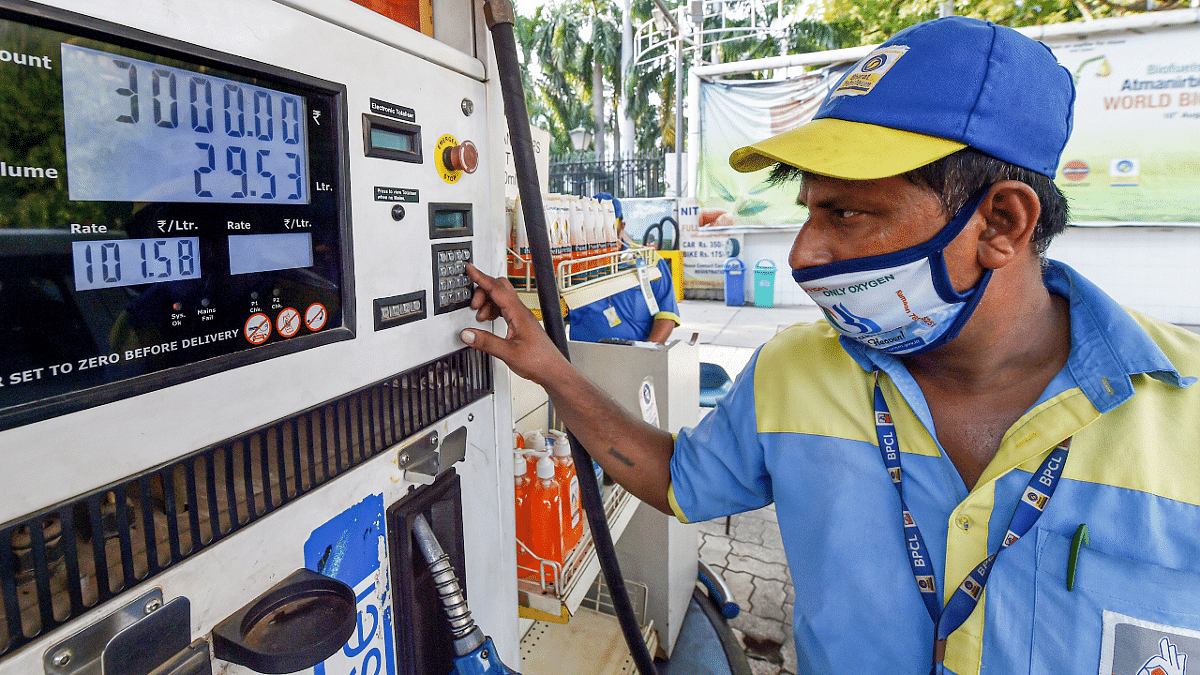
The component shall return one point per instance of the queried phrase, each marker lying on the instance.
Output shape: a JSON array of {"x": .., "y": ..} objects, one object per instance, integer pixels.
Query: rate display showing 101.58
[{"x": 138, "y": 131}]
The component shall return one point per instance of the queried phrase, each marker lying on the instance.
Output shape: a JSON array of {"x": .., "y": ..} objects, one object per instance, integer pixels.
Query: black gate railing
[{"x": 623, "y": 176}]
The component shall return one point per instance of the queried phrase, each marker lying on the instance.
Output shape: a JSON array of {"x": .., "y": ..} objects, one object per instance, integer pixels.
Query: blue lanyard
[{"x": 1029, "y": 509}]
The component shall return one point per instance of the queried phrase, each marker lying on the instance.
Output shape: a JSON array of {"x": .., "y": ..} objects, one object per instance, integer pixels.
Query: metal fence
[{"x": 621, "y": 176}]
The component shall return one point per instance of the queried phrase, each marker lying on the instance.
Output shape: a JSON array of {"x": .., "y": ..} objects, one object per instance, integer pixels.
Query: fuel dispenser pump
[{"x": 233, "y": 238}]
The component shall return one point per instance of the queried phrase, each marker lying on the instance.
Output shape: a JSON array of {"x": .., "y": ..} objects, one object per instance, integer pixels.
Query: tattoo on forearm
[{"x": 624, "y": 460}]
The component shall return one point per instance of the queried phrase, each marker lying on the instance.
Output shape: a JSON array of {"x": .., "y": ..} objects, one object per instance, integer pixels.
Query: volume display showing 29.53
[
  {"x": 124, "y": 262},
  {"x": 139, "y": 131}
]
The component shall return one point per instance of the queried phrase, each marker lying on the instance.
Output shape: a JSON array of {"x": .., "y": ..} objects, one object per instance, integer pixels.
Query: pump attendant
[
  {"x": 981, "y": 464},
  {"x": 632, "y": 314}
]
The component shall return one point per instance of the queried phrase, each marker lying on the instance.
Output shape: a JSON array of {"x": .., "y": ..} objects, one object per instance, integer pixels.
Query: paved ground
[
  {"x": 750, "y": 555},
  {"x": 750, "y": 559},
  {"x": 720, "y": 325}
]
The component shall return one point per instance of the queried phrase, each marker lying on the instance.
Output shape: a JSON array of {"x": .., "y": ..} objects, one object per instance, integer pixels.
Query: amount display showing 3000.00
[{"x": 138, "y": 131}]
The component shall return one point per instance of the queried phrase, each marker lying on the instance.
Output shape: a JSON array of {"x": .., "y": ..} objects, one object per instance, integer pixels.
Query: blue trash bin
[
  {"x": 764, "y": 283},
  {"x": 735, "y": 282}
]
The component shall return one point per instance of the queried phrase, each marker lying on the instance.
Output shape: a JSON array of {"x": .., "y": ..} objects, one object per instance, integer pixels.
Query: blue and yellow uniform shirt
[
  {"x": 797, "y": 429},
  {"x": 626, "y": 315}
]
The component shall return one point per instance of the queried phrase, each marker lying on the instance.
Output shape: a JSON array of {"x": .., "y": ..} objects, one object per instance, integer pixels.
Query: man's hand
[
  {"x": 634, "y": 453},
  {"x": 526, "y": 348}
]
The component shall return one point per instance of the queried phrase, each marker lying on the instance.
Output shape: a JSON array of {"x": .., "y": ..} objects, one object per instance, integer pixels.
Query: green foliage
[
  {"x": 745, "y": 205},
  {"x": 563, "y": 91},
  {"x": 31, "y": 135},
  {"x": 877, "y": 20}
]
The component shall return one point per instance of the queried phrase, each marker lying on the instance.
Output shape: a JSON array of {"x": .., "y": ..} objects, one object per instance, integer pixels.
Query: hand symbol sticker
[{"x": 1168, "y": 661}]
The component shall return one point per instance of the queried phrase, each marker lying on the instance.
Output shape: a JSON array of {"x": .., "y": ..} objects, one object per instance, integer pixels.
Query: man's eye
[{"x": 843, "y": 213}]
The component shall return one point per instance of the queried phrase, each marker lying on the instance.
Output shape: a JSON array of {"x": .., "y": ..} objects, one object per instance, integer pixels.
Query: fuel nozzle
[
  {"x": 475, "y": 654},
  {"x": 467, "y": 636}
]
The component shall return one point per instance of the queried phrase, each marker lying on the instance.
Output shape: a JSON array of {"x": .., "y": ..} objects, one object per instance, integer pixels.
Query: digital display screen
[
  {"x": 138, "y": 131},
  {"x": 392, "y": 140},
  {"x": 264, "y": 252},
  {"x": 449, "y": 220},
  {"x": 125, "y": 262}
]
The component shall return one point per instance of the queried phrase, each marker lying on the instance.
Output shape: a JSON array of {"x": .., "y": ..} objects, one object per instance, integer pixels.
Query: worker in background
[
  {"x": 981, "y": 463},
  {"x": 632, "y": 314}
]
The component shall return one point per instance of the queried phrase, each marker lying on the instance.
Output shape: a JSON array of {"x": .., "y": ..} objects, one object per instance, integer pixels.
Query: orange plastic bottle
[
  {"x": 521, "y": 486},
  {"x": 545, "y": 515},
  {"x": 611, "y": 242},
  {"x": 510, "y": 219},
  {"x": 520, "y": 271},
  {"x": 595, "y": 235},
  {"x": 565, "y": 474},
  {"x": 535, "y": 442},
  {"x": 592, "y": 219},
  {"x": 558, "y": 230},
  {"x": 579, "y": 242}
]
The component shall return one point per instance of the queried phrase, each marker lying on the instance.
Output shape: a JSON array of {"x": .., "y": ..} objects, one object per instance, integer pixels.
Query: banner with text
[
  {"x": 541, "y": 157},
  {"x": 705, "y": 250},
  {"x": 1134, "y": 154},
  {"x": 734, "y": 114}
]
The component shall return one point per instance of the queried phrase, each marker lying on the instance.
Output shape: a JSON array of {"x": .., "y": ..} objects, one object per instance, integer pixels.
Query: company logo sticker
[
  {"x": 1124, "y": 172},
  {"x": 1035, "y": 498},
  {"x": 863, "y": 78},
  {"x": 847, "y": 320},
  {"x": 1076, "y": 170}
]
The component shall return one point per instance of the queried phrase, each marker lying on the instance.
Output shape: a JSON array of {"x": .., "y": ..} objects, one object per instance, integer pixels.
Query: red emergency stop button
[{"x": 462, "y": 157}]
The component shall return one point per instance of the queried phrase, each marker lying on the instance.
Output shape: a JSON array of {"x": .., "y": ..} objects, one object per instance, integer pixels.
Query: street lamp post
[{"x": 581, "y": 138}]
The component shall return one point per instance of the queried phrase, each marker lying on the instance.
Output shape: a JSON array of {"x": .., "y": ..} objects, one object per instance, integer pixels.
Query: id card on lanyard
[
  {"x": 643, "y": 273},
  {"x": 1033, "y": 502}
]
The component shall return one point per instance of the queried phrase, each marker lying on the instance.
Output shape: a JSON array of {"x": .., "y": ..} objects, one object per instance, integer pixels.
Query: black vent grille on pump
[{"x": 66, "y": 560}]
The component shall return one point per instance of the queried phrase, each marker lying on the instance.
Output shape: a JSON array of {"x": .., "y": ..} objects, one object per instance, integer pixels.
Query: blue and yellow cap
[
  {"x": 601, "y": 196},
  {"x": 932, "y": 90}
]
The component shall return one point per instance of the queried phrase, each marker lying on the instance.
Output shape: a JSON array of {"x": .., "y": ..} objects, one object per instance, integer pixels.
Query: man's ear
[{"x": 1010, "y": 212}]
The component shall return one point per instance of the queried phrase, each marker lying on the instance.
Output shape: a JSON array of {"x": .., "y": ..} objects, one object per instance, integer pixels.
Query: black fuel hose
[{"x": 500, "y": 20}]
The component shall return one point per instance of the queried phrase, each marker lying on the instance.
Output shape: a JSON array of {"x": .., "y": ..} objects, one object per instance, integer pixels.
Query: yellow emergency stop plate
[{"x": 439, "y": 152}]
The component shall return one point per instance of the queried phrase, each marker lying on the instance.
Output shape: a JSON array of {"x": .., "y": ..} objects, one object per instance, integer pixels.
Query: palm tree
[
  {"x": 579, "y": 46},
  {"x": 745, "y": 30},
  {"x": 601, "y": 56}
]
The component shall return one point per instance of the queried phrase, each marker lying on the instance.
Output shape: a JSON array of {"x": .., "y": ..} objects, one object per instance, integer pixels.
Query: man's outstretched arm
[{"x": 633, "y": 453}]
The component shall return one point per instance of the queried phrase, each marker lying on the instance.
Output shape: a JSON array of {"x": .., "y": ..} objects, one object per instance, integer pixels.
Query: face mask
[{"x": 900, "y": 303}]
